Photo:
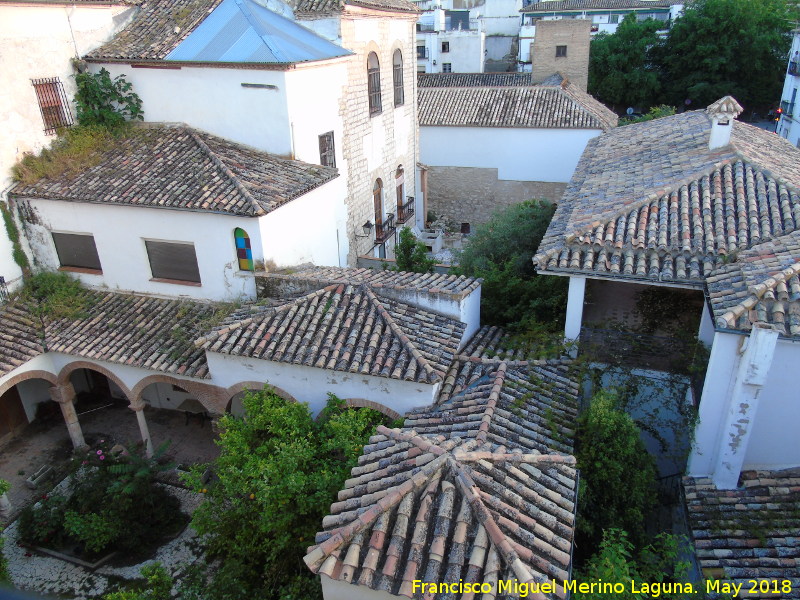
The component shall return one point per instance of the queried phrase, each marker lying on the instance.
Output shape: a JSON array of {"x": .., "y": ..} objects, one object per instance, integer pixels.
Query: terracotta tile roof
[
  {"x": 343, "y": 327},
  {"x": 749, "y": 533},
  {"x": 549, "y": 6},
  {"x": 433, "y": 283},
  {"x": 460, "y": 493},
  {"x": 651, "y": 201},
  {"x": 761, "y": 286},
  {"x": 425, "y": 80},
  {"x": 138, "y": 331},
  {"x": 179, "y": 168},
  {"x": 492, "y": 342},
  {"x": 551, "y": 107},
  {"x": 327, "y": 7},
  {"x": 20, "y": 337}
]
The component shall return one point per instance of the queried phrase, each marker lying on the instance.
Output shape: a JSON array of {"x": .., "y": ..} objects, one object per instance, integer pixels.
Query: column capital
[
  {"x": 137, "y": 406},
  {"x": 62, "y": 393}
]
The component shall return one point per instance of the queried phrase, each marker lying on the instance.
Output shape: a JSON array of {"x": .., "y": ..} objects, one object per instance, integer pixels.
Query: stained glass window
[{"x": 243, "y": 251}]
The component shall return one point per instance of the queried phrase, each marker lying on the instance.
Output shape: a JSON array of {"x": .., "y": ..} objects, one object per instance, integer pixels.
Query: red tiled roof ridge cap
[{"x": 757, "y": 291}]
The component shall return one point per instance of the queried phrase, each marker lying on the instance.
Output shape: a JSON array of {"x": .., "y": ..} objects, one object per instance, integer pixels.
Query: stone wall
[
  {"x": 575, "y": 34},
  {"x": 471, "y": 195}
]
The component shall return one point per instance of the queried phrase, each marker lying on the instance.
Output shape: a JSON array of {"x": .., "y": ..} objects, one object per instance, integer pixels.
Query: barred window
[
  {"x": 397, "y": 71},
  {"x": 175, "y": 261},
  {"x": 52, "y": 104},
  {"x": 327, "y": 151},
  {"x": 77, "y": 250},
  {"x": 447, "y": 67},
  {"x": 374, "y": 83}
]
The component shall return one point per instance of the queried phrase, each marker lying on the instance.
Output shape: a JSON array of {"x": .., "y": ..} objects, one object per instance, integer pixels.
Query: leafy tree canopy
[
  {"x": 728, "y": 47},
  {"x": 621, "y": 72},
  {"x": 500, "y": 252},
  {"x": 411, "y": 254}
]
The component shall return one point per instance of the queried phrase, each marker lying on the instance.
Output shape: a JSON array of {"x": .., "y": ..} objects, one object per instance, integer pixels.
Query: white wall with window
[
  {"x": 788, "y": 124},
  {"x": 37, "y": 42}
]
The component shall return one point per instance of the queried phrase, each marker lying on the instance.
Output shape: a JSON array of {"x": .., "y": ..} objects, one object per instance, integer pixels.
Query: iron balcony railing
[
  {"x": 385, "y": 229},
  {"x": 405, "y": 211}
]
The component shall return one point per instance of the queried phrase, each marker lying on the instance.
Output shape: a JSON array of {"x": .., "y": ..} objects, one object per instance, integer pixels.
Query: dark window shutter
[
  {"x": 76, "y": 250},
  {"x": 169, "y": 260}
]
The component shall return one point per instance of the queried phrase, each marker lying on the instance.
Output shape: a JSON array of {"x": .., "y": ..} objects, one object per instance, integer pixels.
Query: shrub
[
  {"x": 500, "y": 252},
  {"x": 411, "y": 254},
  {"x": 102, "y": 101},
  {"x": 617, "y": 488},
  {"x": 157, "y": 586},
  {"x": 52, "y": 296}
]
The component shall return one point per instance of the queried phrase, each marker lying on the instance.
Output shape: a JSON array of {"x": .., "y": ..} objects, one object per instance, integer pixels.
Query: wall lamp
[{"x": 367, "y": 228}]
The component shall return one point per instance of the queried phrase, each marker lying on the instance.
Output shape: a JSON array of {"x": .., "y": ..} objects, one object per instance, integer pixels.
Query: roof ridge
[
  {"x": 491, "y": 403},
  {"x": 757, "y": 291},
  {"x": 237, "y": 183},
  {"x": 397, "y": 330}
]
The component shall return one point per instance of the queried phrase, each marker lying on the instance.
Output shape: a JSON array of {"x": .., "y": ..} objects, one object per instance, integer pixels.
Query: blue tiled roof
[{"x": 241, "y": 31}]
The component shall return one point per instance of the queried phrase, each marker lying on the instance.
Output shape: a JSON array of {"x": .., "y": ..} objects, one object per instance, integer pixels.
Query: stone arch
[
  {"x": 212, "y": 397},
  {"x": 46, "y": 375},
  {"x": 63, "y": 376},
  {"x": 254, "y": 386},
  {"x": 362, "y": 403}
]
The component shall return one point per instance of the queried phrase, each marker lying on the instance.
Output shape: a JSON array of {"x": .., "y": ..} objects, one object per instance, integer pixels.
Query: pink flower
[
  {"x": 86, "y": 462},
  {"x": 99, "y": 452},
  {"x": 102, "y": 458}
]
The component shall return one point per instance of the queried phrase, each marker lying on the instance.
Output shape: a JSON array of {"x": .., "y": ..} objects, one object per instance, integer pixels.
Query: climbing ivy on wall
[{"x": 13, "y": 234}]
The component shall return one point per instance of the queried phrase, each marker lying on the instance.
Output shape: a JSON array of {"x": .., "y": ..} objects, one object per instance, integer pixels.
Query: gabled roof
[
  {"x": 550, "y": 6},
  {"x": 443, "y": 501},
  {"x": 155, "y": 31},
  {"x": 242, "y": 31},
  {"x": 138, "y": 331},
  {"x": 431, "y": 283},
  {"x": 750, "y": 533},
  {"x": 317, "y": 8},
  {"x": 179, "y": 168},
  {"x": 561, "y": 106},
  {"x": 650, "y": 201},
  {"x": 425, "y": 80},
  {"x": 348, "y": 328},
  {"x": 762, "y": 285}
]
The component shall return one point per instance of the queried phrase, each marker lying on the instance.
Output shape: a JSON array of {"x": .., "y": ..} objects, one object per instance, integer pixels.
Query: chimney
[{"x": 722, "y": 113}]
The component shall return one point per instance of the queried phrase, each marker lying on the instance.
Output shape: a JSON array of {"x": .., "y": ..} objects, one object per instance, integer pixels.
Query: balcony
[
  {"x": 788, "y": 108},
  {"x": 405, "y": 211},
  {"x": 794, "y": 68},
  {"x": 385, "y": 230}
]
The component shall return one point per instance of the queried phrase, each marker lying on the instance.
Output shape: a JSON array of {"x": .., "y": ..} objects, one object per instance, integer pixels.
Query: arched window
[
  {"x": 399, "y": 183},
  {"x": 397, "y": 72},
  {"x": 374, "y": 83},
  {"x": 377, "y": 199},
  {"x": 243, "y": 251}
]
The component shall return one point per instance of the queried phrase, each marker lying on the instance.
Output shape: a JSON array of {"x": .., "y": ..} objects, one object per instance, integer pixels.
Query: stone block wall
[
  {"x": 471, "y": 194},
  {"x": 575, "y": 34}
]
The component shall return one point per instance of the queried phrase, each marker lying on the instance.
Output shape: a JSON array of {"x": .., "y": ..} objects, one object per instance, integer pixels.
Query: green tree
[
  {"x": 275, "y": 478},
  {"x": 106, "y": 102},
  {"x": 617, "y": 488},
  {"x": 655, "y": 112},
  {"x": 621, "y": 68},
  {"x": 728, "y": 47},
  {"x": 411, "y": 254},
  {"x": 157, "y": 586},
  {"x": 500, "y": 252}
]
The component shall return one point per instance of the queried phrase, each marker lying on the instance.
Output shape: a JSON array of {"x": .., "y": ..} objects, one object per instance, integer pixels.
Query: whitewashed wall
[
  {"x": 309, "y": 229},
  {"x": 213, "y": 100},
  {"x": 119, "y": 234},
  {"x": 789, "y": 127},
  {"x": 311, "y": 385},
  {"x": 37, "y": 40},
  {"x": 518, "y": 154},
  {"x": 773, "y": 443}
]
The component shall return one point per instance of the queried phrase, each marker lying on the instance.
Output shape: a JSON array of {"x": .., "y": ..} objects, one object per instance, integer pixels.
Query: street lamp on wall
[{"x": 367, "y": 228}]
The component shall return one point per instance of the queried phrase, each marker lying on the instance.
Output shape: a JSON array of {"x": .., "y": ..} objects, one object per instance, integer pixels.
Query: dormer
[{"x": 722, "y": 113}]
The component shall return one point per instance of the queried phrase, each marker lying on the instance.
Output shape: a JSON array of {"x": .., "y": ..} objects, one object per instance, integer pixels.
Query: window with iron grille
[
  {"x": 397, "y": 72},
  {"x": 447, "y": 67},
  {"x": 52, "y": 104},
  {"x": 173, "y": 260},
  {"x": 327, "y": 152},
  {"x": 561, "y": 51},
  {"x": 374, "y": 83},
  {"x": 77, "y": 250}
]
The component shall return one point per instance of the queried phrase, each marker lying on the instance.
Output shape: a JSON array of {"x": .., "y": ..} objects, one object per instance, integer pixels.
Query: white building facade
[{"x": 788, "y": 126}]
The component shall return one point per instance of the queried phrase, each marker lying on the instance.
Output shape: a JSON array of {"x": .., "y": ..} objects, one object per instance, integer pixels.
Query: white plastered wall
[
  {"x": 120, "y": 231},
  {"x": 773, "y": 440},
  {"x": 518, "y": 154},
  {"x": 37, "y": 40},
  {"x": 311, "y": 385},
  {"x": 214, "y": 100}
]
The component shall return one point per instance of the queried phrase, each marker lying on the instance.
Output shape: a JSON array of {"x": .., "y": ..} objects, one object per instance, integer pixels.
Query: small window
[
  {"x": 327, "y": 151},
  {"x": 52, "y": 104},
  {"x": 561, "y": 51},
  {"x": 397, "y": 75},
  {"x": 174, "y": 261},
  {"x": 374, "y": 83},
  {"x": 243, "y": 250},
  {"x": 447, "y": 67},
  {"x": 445, "y": 46},
  {"x": 614, "y": 19},
  {"x": 77, "y": 250},
  {"x": 421, "y": 52}
]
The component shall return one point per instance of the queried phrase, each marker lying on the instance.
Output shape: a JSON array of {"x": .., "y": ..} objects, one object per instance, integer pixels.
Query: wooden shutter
[{"x": 77, "y": 250}]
